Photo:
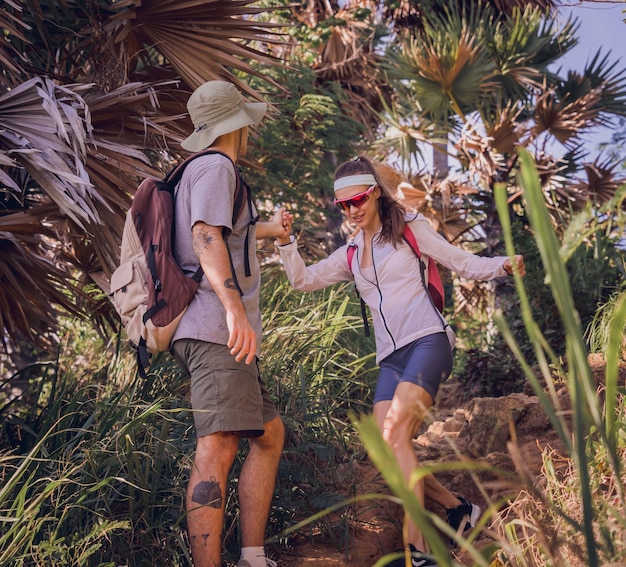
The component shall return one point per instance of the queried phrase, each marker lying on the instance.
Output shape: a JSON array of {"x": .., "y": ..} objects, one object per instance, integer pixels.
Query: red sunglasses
[{"x": 356, "y": 200}]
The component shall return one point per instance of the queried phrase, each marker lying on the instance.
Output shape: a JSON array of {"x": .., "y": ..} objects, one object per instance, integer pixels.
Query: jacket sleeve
[
  {"x": 322, "y": 274},
  {"x": 465, "y": 264}
]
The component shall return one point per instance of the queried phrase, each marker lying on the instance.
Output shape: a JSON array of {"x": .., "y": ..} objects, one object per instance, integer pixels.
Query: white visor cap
[{"x": 350, "y": 180}]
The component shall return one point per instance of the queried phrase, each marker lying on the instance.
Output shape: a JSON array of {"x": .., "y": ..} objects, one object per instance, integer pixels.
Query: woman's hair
[{"x": 391, "y": 212}]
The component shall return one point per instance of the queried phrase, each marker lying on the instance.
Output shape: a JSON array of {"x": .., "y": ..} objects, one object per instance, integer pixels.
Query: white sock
[{"x": 254, "y": 555}]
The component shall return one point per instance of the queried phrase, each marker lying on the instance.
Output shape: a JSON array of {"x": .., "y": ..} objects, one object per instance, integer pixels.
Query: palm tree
[
  {"x": 479, "y": 79},
  {"x": 92, "y": 98}
]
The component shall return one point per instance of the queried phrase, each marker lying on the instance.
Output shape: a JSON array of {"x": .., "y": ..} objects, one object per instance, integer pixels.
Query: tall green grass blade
[
  {"x": 613, "y": 352},
  {"x": 581, "y": 386},
  {"x": 383, "y": 457}
]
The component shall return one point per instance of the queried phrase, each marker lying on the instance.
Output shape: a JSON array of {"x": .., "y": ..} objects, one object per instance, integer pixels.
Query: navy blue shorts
[{"x": 426, "y": 362}]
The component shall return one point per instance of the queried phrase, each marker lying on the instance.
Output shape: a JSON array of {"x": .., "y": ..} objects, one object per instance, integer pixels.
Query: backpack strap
[
  {"x": 352, "y": 247},
  {"x": 243, "y": 195},
  {"x": 434, "y": 284},
  {"x": 351, "y": 250},
  {"x": 143, "y": 358},
  {"x": 174, "y": 177},
  {"x": 255, "y": 218}
]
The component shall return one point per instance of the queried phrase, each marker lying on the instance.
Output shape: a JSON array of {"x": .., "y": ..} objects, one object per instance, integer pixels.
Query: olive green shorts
[{"x": 226, "y": 395}]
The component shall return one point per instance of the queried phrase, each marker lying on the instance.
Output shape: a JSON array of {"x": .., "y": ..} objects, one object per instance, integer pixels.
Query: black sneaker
[
  {"x": 464, "y": 512},
  {"x": 418, "y": 559}
]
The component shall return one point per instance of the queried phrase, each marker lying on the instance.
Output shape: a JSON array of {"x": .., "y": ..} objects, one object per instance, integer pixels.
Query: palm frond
[
  {"x": 45, "y": 127},
  {"x": 126, "y": 123},
  {"x": 13, "y": 27},
  {"x": 30, "y": 221},
  {"x": 602, "y": 77},
  {"x": 504, "y": 128},
  {"x": 538, "y": 38},
  {"x": 560, "y": 192},
  {"x": 438, "y": 200},
  {"x": 348, "y": 57},
  {"x": 603, "y": 180},
  {"x": 522, "y": 46},
  {"x": 478, "y": 154},
  {"x": 402, "y": 135},
  {"x": 447, "y": 74},
  {"x": 71, "y": 155},
  {"x": 405, "y": 15},
  {"x": 30, "y": 290},
  {"x": 200, "y": 40},
  {"x": 566, "y": 119}
]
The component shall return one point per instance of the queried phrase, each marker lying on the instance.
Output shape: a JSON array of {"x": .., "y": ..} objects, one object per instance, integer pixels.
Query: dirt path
[
  {"x": 509, "y": 434},
  {"x": 373, "y": 528}
]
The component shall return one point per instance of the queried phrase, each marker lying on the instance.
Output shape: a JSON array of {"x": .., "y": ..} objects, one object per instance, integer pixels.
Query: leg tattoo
[
  {"x": 193, "y": 540},
  {"x": 207, "y": 493}
]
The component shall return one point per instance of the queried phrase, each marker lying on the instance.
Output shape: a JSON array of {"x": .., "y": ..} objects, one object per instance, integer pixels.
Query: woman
[{"x": 413, "y": 341}]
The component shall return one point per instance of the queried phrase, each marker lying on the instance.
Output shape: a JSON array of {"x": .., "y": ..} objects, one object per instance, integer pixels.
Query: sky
[{"x": 601, "y": 26}]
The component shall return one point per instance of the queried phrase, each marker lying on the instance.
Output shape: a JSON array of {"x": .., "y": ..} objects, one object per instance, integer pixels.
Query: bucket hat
[{"x": 217, "y": 108}]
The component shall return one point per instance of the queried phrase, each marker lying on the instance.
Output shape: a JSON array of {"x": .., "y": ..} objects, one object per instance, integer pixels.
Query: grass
[{"x": 94, "y": 459}]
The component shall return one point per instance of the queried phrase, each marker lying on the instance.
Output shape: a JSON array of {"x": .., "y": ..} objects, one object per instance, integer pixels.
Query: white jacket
[{"x": 401, "y": 309}]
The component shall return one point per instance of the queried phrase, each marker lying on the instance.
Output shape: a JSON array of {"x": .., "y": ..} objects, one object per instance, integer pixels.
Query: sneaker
[
  {"x": 464, "y": 512},
  {"x": 268, "y": 562},
  {"x": 418, "y": 559}
]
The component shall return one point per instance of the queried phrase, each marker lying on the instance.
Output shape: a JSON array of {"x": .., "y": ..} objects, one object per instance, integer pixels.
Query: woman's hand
[
  {"x": 279, "y": 226},
  {"x": 284, "y": 220},
  {"x": 519, "y": 262}
]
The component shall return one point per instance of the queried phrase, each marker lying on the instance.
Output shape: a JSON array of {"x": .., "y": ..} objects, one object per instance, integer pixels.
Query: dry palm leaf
[
  {"x": 30, "y": 287},
  {"x": 348, "y": 56},
  {"x": 478, "y": 154},
  {"x": 201, "y": 40},
  {"x": 30, "y": 222},
  {"x": 404, "y": 14},
  {"x": 45, "y": 128},
  {"x": 124, "y": 122},
  {"x": 559, "y": 191},
  {"x": 436, "y": 199},
  {"x": 566, "y": 120},
  {"x": 12, "y": 26},
  {"x": 504, "y": 130},
  {"x": 602, "y": 180},
  {"x": 348, "y": 53}
]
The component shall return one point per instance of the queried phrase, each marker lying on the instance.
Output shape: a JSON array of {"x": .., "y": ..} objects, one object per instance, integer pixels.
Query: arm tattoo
[
  {"x": 202, "y": 242},
  {"x": 230, "y": 284},
  {"x": 207, "y": 493}
]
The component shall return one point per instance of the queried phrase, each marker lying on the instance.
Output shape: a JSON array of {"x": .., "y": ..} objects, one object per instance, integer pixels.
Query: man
[{"x": 219, "y": 337}]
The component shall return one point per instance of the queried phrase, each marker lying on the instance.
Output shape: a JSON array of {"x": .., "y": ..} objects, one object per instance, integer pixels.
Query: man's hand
[
  {"x": 241, "y": 338},
  {"x": 279, "y": 226},
  {"x": 519, "y": 261},
  {"x": 286, "y": 220}
]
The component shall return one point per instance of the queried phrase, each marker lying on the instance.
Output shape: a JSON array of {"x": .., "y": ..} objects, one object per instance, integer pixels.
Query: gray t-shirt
[{"x": 206, "y": 193}]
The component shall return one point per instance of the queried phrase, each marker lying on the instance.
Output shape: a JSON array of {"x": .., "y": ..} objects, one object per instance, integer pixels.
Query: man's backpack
[
  {"x": 149, "y": 290},
  {"x": 431, "y": 279}
]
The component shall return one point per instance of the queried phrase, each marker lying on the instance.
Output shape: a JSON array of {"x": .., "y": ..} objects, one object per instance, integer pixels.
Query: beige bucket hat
[{"x": 217, "y": 108}]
